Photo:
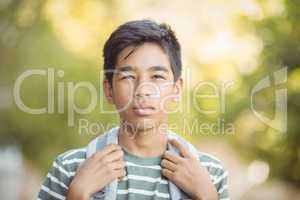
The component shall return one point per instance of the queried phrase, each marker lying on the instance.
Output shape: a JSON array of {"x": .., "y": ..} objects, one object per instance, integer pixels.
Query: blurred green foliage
[
  {"x": 28, "y": 40},
  {"x": 280, "y": 35}
]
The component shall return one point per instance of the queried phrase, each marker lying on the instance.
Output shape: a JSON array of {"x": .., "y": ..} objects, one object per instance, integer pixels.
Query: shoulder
[
  {"x": 66, "y": 164},
  {"x": 71, "y": 159},
  {"x": 72, "y": 155},
  {"x": 210, "y": 161},
  {"x": 216, "y": 169},
  {"x": 61, "y": 173},
  {"x": 217, "y": 173}
]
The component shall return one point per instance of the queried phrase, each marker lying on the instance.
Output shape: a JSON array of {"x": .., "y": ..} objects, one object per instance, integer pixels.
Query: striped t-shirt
[{"x": 142, "y": 181}]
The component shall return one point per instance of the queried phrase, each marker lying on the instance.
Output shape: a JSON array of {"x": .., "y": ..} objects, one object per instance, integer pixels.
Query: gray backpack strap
[
  {"x": 92, "y": 147},
  {"x": 183, "y": 142},
  {"x": 176, "y": 193},
  {"x": 110, "y": 137},
  {"x": 111, "y": 189}
]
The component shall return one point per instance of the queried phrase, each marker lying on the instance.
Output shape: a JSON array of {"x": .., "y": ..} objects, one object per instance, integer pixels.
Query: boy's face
[{"x": 143, "y": 86}]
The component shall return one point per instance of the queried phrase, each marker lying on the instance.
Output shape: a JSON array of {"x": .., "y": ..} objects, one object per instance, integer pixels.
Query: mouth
[{"x": 143, "y": 110}]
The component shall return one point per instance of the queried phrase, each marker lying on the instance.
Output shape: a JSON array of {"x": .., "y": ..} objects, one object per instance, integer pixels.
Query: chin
[{"x": 141, "y": 124}]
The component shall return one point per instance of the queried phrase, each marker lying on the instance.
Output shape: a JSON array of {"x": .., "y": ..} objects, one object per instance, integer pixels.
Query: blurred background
[{"x": 236, "y": 43}]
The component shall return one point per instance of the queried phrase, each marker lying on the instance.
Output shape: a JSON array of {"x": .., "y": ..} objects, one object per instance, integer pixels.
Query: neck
[{"x": 143, "y": 142}]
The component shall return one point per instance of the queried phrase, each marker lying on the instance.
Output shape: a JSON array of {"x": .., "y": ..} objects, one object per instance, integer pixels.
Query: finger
[
  {"x": 168, "y": 165},
  {"x": 120, "y": 178},
  {"x": 120, "y": 164},
  {"x": 120, "y": 173},
  {"x": 183, "y": 151},
  {"x": 171, "y": 157},
  {"x": 113, "y": 156},
  {"x": 167, "y": 173},
  {"x": 106, "y": 150}
]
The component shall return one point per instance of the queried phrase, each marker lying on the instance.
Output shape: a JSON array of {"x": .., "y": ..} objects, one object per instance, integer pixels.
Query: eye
[
  {"x": 158, "y": 77},
  {"x": 128, "y": 77}
]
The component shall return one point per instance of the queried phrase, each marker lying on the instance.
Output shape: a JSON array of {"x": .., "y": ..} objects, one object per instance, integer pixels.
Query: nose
[{"x": 146, "y": 89}]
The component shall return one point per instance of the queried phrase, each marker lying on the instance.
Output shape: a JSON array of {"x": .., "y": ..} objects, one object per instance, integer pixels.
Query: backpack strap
[
  {"x": 177, "y": 193},
  {"x": 110, "y": 137}
]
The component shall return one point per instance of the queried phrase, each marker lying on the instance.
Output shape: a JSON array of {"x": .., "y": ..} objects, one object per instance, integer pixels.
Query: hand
[
  {"x": 96, "y": 172},
  {"x": 187, "y": 173}
]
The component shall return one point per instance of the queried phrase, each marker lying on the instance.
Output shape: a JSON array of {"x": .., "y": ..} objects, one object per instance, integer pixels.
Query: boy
[{"x": 141, "y": 159}]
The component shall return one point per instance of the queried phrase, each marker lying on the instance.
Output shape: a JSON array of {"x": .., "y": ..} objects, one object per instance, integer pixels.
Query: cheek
[
  {"x": 165, "y": 99},
  {"x": 122, "y": 96},
  {"x": 122, "y": 100}
]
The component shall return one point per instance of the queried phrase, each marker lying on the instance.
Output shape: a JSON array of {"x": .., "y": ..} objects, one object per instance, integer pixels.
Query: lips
[{"x": 143, "y": 109}]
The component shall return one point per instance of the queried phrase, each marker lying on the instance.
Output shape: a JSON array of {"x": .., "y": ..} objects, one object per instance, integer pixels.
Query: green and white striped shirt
[{"x": 143, "y": 179}]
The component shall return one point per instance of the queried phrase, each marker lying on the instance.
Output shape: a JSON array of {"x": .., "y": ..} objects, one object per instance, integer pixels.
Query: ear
[
  {"x": 108, "y": 91},
  {"x": 177, "y": 90}
]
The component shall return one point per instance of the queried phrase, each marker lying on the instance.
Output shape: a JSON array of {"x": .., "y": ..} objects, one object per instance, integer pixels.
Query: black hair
[{"x": 135, "y": 33}]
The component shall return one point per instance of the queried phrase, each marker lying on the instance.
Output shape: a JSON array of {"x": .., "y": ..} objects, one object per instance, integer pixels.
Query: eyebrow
[
  {"x": 159, "y": 68},
  {"x": 125, "y": 69},
  {"x": 152, "y": 68}
]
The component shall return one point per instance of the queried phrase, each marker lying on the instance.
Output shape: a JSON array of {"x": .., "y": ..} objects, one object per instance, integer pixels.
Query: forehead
[{"x": 144, "y": 56}]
